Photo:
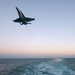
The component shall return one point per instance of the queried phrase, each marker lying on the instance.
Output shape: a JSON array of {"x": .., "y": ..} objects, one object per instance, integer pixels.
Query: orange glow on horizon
[{"x": 34, "y": 50}]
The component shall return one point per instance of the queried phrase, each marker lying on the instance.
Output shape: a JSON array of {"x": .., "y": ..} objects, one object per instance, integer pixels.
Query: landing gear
[{"x": 21, "y": 23}]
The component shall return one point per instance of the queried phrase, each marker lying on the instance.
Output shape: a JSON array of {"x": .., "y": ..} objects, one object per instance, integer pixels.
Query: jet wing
[
  {"x": 29, "y": 19},
  {"x": 17, "y": 20}
]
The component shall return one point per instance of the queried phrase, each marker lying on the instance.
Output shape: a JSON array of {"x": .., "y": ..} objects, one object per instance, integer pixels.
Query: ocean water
[{"x": 37, "y": 66}]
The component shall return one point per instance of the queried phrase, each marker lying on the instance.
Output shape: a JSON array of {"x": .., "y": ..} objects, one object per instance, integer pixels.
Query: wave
[
  {"x": 37, "y": 67},
  {"x": 58, "y": 60},
  {"x": 53, "y": 68}
]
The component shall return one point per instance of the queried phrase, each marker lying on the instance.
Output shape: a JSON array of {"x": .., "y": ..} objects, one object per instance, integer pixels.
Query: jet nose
[{"x": 16, "y": 8}]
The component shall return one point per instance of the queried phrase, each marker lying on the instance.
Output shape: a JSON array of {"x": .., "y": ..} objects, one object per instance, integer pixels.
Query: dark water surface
[{"x": 37, "y": 66}]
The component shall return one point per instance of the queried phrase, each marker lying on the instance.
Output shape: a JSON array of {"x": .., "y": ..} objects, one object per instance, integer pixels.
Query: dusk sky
[{"x": 52, "y": 34}]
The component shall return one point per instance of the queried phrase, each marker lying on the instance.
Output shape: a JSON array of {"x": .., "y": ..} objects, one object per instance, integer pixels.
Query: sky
[{"x": 52, "y": 34}]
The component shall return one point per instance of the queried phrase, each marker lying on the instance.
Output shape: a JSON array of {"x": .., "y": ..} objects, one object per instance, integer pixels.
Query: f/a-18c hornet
[{"x": 22, "y": 19}]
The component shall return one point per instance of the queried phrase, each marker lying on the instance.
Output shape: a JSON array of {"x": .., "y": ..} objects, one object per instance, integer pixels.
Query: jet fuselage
[{"x": 22, "y": 19}]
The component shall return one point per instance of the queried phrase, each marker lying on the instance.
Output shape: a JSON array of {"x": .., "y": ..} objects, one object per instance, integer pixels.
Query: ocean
[{"x": 38, "y": 66}]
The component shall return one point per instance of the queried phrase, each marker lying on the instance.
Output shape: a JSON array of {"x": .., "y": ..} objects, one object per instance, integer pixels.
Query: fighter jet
[{"x": 22, "y": 19}]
